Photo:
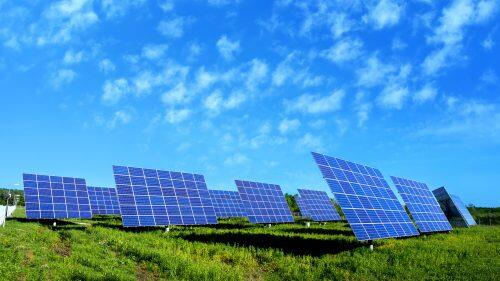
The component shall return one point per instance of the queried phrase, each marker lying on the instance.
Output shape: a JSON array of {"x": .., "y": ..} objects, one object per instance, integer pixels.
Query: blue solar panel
[
  {"x": 103, "y": 200},
  {"x": 52, "y": 197},
  {"x": 368, "y": 203},
  {"x": 227, "y": 204},
  {"x": 264, "y": 203},
  {"x": 316, "y": 205},
  {"x": 454, "y": 206},
  {"x": 149, "y": 197},
  {"x": 422, "y": 205}
]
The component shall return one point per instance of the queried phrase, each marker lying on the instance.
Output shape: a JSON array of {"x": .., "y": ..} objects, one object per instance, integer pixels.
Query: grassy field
[{"x": 101, "y": 249}]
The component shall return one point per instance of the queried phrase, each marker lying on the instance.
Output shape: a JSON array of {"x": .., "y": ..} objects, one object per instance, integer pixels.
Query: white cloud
[
  {"x": 119, "y": 117},
  {"x": 72, "y": 57},
  {"x": 374, "y": 72},
  {"x": 154, "y": 52},
  {"x": 427, "y": 93},
  {"x": 114, "y": 91},
  {"x": 288, "y": 125},
  {"x": 450, "y": 33},
  {"x": 167, "y": 5},
  {"x": 174, "y": 116},
  {"x": 257, "y": 74},
  {"x": 341, "y": 24},
  {"x": 216, "y": 102},
  {"x": 222, "y": 2},
  {"x": 205, "y": 79},
  {"x": 236, "y": 159},
  {"x": 385, "y": 14},
  {"x": 489, "y": 77},
  {"x": 393, "y": 96},
  {"x": 293, "y": 69},
  {"x": 344, "y": 50},
  {"x": 147, "y": 81},
  {"x": 176, "y": 95},
  {"x": 363, "y": 108},
  {"x": 62, "y": 20},
  {"x": 106, "y": 66},
  {"x": 227, "y": 48},
  {"x": 119, "y": 8},
  {"x": 173, "y": 28},
  {"x": 308, "y": 141},
  {"x": 314, "y": 104},
  {"x": 488, "y": 43},
  {"x": 62, "y": 77}
]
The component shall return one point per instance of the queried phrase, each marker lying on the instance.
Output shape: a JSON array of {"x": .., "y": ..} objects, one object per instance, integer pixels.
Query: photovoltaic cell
[
  {"x": 103, "y": 200},
  {"x": 227, "y": 204},
  {"x": 53, "y": 197},
  {"x": 422, "y": 205},
  {"x": 368, "y": 203},
  {"x": 264, "y": 203},
  {"x": 316, "y": 205},
  {"x": 149, "y": 197},
  {"x": 454, "y": 206}
]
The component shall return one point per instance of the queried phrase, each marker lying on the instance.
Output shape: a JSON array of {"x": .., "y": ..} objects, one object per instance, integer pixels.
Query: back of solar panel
[
  {"x": 316, "y": 205},
  {"x": 453, "y": 207}
]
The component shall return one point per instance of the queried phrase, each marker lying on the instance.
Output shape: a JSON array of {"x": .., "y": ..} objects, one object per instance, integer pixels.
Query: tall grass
[{"x": 101, "y": 249}]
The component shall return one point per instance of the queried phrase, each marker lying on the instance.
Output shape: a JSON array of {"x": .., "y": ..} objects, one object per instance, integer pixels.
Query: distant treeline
[
  {"x": 485, "y": 216},
  {"x": 4, "y": 194}
]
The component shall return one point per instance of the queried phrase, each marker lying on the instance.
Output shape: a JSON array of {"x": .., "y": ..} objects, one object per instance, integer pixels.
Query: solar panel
[
  {"x": 103, "y": 200},
  {"x": 264, "y": 203},
  {"x": 227, "y": 204},
  {"x": 422, "y": 205},
  {"x": 149, "y": 197},
  {"x": 454, "y": 207},
  {"x": 316, "y": 205},
  {"x": 52, "y": 197},
  {"x": 368, "y": 203}
]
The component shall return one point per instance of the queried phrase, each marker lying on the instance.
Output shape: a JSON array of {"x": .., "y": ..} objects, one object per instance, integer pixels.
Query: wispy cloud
[
  {"x": 314, "y": 104},
  {"x": 115, "y": 90},
  {"x": 173, "y": 28},
  {"x": 62, "y": 77},
  {"x": 385, "y": 13},
  {"x": 227, "y": 48}
]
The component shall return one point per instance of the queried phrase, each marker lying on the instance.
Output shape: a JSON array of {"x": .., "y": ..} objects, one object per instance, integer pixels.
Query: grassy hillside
[{"x": 236, "y": 250}]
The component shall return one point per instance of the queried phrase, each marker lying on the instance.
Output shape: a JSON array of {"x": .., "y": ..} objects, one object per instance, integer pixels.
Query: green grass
[{"x": 235, "y": 250}]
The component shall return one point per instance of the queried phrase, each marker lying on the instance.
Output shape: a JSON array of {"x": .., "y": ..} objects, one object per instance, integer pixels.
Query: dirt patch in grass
[{"x": 142, "y": 273}]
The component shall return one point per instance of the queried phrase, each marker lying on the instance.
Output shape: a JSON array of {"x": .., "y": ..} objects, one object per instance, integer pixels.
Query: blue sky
[{"x": 247, "y": 89}]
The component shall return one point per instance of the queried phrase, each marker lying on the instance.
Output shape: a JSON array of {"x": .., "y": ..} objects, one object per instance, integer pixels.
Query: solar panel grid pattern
[
  {"x": 149, "y": 197},
  {"x": 264, "y": 203},
  {"x": 317, "y": 205},
  {"x": 368, "y": 203},
  {"x": 463, "y": 210},
  {"x": 227, "y": 204},
  {"x": 103, "y": 200},
  {"x": 53, "y": 197},
  {"x": 303, "y": 210},
  {"x": 422, "y": 205}
]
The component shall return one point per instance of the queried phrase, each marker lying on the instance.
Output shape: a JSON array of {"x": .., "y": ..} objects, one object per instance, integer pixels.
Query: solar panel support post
[
  {"x": 308, "y": 224},
  {"x": 269, "y": 225},
  {"x": 371, "y": 245},
  {"x": 167, "y": 228},
  {"x": 54, "y": 224},
  {"x": 6, "y": 209}
]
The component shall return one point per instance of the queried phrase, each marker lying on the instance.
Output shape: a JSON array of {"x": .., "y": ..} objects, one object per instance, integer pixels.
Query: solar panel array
[
  {"x": 463, "y": 210},
  {"x": 52, "y": 197},
  {"x": 264, "y": 203},
  {"x": 368, "y": 203},
  {"x": 316, "y": 205},
  {"x": 149, "y": 197},
  {"x": 103, "y": 200},
  {"x": 454, "y": 206},
  {"x": 227, "y": 204},
  {"x": 422, "y": 205}
]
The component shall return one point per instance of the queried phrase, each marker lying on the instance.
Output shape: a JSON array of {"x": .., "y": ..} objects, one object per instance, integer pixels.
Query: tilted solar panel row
[
  {"x": 316, "y": 205},
  {"x": 54, "y": 197}
]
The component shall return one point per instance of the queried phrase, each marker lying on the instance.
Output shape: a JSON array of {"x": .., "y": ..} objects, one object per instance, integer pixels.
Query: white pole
[{"x": 308, "y": 224}]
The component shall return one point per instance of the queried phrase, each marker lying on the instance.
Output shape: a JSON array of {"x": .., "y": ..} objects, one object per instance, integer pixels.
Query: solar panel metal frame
[
  {"x": 422, "y": 204},
  {"x": 103, "y": 200},
  {"x": 316, "y": 205},
  {"x": 456, "y": 205},
  {"x": 150, "y": 197},
  {"x": 368, "y": 203},
  {"x": 54, "y": 197},
  {"x": 227, "y": 203},
  {"x": 264, "y": 203}
]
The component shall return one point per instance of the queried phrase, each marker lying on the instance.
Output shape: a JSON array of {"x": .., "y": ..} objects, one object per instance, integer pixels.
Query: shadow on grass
[
  {"x": 321, "y": 231},
  {"x": 288, "y": 244},
  {"x": 60, "y": 224}
]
